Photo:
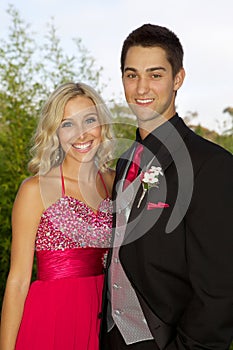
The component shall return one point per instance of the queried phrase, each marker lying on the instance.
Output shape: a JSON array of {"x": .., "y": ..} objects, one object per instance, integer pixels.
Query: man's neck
[{"x": 146, "y": 127}]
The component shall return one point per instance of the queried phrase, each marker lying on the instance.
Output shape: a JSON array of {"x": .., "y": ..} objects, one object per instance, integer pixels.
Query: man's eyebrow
[
  {"x": 130, "y": 68},
  {"x": 152, "y": 69}
]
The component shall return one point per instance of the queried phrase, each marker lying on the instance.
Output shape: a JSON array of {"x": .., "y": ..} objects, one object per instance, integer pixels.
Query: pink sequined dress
[{"x": 62, "y": 306}]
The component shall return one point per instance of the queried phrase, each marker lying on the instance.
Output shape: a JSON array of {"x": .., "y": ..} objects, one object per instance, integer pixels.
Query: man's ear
[{"x": 179, "y": 78}]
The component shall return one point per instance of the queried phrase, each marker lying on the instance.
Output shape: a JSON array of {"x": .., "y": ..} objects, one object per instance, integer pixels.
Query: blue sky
[{"x": 205, "y": 28}]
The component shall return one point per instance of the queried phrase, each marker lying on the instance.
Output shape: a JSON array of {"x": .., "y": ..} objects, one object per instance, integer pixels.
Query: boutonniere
[{"x": 149, "y": 178}]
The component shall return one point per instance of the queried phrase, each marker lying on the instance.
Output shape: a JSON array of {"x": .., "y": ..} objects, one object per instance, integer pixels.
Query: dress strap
[
  {"x": 105, "y": 187},
  {"x": 62, "y": 182}
]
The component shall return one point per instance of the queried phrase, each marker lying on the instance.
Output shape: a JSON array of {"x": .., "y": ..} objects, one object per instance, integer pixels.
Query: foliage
[
  {"x": 229, "y": 110},
  {"x": 28, "y": 73},
  {"x": 124, "y": 126},
  {"x": 225, "y": 140}
]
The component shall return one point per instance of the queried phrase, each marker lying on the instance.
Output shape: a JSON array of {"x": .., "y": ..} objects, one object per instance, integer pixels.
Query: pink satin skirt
[{"x": 62, "y": 306}]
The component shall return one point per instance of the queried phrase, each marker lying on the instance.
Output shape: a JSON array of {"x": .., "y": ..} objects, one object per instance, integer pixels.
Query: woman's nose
[{"x": 82, "y": 135}]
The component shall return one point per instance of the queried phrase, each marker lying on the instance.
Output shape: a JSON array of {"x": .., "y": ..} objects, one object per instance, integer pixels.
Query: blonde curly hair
[{"x": 47, "y": 151}]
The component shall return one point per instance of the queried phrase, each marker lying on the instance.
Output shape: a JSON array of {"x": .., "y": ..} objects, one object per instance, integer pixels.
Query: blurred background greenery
[{"x": 28, "y": 73}]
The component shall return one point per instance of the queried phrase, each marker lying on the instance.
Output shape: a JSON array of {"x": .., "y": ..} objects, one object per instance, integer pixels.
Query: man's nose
[{"x": 143, "y": 86}]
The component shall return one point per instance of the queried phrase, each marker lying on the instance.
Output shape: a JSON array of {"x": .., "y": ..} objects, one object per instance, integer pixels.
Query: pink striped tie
[{"x": 134, "y": 167}]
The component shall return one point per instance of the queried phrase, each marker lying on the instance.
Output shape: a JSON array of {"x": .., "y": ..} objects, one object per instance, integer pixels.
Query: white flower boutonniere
[{"x": 149, "y": 178}]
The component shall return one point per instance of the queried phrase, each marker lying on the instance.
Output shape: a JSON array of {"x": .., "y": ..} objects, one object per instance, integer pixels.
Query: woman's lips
[{"x": 83, "y": 146}]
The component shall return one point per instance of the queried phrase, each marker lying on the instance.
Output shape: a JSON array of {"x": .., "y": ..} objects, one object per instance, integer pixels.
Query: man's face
[{"x": 149, "y": 85}]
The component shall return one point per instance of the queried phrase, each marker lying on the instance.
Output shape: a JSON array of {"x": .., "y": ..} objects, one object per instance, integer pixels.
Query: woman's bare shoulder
[
  {"x": 28, "y": 200},
  {"x": 29, "y": 190},
  {"x": 30, "y": 185},
  {"x": 42, "y": 187}
]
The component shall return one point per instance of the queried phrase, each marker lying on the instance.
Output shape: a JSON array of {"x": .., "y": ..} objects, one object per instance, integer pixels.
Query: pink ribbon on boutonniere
[{"x": 160, "y": 205}]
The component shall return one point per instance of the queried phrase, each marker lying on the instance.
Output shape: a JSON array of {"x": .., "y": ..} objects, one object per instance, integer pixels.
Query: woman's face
[{"x": 80, "y": 130}]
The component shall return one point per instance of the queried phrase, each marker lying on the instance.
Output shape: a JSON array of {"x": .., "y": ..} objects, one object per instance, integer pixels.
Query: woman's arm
[{"x": 26, "y": 214}]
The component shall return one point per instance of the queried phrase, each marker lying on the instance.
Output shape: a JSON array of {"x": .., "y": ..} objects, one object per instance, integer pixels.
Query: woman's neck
[{"x": 86, "y": 172}]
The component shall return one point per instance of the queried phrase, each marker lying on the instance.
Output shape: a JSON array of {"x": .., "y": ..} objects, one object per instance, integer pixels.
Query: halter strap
[
  {"x": 105, "y": 187},
  {"x": 63, "y": 182}
]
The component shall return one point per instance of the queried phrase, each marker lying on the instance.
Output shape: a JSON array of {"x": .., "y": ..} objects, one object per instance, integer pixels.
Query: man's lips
[{"x": 144, "y": 101}]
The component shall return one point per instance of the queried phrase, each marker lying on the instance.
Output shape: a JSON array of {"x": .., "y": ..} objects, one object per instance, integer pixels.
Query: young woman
[{"x": 64, "y": 214}]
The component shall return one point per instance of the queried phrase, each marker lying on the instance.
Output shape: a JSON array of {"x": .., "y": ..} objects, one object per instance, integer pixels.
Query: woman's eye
[
  {"x": 91, "y": 120},
  {"x": 66, "y": 124}
]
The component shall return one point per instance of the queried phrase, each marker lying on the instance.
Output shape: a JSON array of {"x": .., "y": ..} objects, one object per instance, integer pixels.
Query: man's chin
[
  {"x": 143, "y": 112},
  {"x": 146, "y": 114}
]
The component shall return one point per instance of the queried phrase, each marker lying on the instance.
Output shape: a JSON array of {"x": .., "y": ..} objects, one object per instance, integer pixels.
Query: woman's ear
[{"x": 179, "y": 78}]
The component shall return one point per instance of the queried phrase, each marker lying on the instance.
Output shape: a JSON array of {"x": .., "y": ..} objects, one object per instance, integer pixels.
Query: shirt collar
[
  {"x": 152, "y": 142},
  {"x": 153, "y": 137}
]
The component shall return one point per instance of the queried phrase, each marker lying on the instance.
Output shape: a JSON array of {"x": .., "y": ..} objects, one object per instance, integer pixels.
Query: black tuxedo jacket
[{"x": 179, "y": 259}]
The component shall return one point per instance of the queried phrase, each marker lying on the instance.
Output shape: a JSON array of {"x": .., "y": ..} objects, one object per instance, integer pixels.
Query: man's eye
[
  {"x": 156, "y": 76},
  {"x": 131, "y": 76},
  {"x": 66, "y": 124}
]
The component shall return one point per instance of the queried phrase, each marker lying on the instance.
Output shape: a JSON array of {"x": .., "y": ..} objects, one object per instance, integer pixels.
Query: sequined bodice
[{"x": 70, "y": 223}]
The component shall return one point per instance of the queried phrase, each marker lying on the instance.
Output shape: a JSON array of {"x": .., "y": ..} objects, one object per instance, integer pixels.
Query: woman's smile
[{"x": 83, "y": 146}]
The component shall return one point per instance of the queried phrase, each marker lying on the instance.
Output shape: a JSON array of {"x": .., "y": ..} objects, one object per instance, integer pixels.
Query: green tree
[
  {"x": 28, "y": 73},
  {"x": 229, "y": 110},
  {"x": 225, "y": 139}
]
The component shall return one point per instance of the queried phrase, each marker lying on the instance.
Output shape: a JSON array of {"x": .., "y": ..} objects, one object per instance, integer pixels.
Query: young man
[{"x": 169, "y": 283}]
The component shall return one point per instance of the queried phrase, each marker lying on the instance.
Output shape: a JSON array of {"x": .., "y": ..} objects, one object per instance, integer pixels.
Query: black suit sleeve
[{"x": 207, "y": 322}]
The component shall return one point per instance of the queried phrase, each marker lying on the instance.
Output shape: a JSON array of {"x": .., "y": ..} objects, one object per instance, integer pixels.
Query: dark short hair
[{"x": 150, "y": 35}]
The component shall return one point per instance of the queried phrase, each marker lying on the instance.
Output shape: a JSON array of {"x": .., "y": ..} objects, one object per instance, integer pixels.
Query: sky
[{"x": 204, "y": 27}]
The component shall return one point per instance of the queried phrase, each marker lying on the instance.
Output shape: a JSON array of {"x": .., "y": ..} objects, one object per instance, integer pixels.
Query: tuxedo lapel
[
  {"x": 140, "y": 219},
  {"x": 122, "y": 166}
]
